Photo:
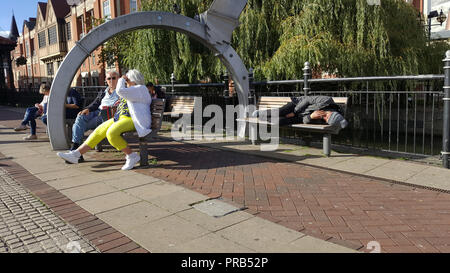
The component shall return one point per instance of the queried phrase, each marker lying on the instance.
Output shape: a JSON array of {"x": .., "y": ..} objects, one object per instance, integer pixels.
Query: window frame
[
  {"x": 108, "y": 6},
  {"x": 42, "y": 40},
  {"x": 131, "y": 6},
  {"x": 52, "y": 33}
]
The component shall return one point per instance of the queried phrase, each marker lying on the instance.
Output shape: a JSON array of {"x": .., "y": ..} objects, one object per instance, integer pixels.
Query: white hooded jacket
[{"x": 138, "y": 101}]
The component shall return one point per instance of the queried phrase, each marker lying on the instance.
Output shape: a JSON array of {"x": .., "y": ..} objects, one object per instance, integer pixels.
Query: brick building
[
  {"x": 6, "y": 45},
  {"x": 47, "y": 39}
]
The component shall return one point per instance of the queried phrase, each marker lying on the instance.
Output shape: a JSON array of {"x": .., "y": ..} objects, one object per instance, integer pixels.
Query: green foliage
[
  {"x": 351, "y": 38},
  {"x": 276, "y": 37},
  {"x": 157, "y": 53}
]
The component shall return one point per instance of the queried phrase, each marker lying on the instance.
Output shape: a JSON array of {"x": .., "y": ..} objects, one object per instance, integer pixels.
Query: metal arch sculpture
[{"x": 214, "y": 30}]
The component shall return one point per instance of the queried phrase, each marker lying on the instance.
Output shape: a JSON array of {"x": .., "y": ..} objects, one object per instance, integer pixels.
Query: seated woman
[
  {"x": 34, "y": 112},
  {"x": 133, "y": 113}
]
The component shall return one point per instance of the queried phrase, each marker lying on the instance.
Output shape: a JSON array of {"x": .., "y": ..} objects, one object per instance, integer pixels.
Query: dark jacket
[
  {"x": 160, "y": 93},
  {"x": 73, "y": 98},
  {"x": 97, "y": 101},
  {"x": 306, "y": 105}
]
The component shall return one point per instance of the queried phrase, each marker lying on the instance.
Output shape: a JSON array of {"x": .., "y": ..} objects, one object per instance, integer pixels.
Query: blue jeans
[
  {"x": 44, "y": 119},
  {"x": 84, "y": 123},
  {"x": 30, "y": 118}
]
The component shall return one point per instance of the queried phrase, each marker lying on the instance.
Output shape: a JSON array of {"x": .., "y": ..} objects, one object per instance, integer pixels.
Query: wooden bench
[
  {"x": 267, "y": 102},
  {"x": 156, "y": 110},
  {"x": 180, "y": 105}
]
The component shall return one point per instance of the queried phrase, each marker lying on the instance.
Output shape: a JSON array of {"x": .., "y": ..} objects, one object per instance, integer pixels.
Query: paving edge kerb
[{"x": 101, "y": 235}]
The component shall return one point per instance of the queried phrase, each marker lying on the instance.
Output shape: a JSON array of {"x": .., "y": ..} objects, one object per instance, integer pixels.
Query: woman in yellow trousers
[{"x": 133, "y": 113}]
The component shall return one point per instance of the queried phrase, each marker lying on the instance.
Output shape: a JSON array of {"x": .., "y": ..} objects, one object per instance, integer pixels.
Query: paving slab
[
  {"x": 153, "y": 190},
  {"x": 132, "y": 181},
  {"x": 107, "y": 202},
  {"x": 262, "y": 235},
  {"x": 179, "y": 200},
  {"x": 88, "y": 191},
  {"x": 211, "y": 243},
  {"x": 128, "y": 217},
  {"x": 59, "y": 174},
  {"x": 41, "y": 166},
  {"x": 166, "y": 234},
  {"x": 310, "y": 244},
  {"x": 432, "y": 177},
  {"x": 361, "y": 164},
  {"x": 213, "y": 223},
  {"x": 215, "y": 208},
  {"x": 396, "y": 170},
  {"x": 76, "y": 181}
]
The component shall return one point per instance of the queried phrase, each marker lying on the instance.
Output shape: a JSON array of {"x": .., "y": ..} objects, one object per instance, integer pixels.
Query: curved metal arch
[{"x": 139, "y": 20}]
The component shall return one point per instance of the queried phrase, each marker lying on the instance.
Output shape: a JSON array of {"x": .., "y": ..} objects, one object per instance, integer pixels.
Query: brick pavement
[
  {"x": 339, "y": 207},
  {"x": 88, "y": 228},
  {"x": 348, "y": 209},
  {"x": 28, "y": 226}
]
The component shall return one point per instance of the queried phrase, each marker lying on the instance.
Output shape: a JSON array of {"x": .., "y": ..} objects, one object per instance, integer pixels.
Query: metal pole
[
  {"x": 446, "y": 118},
  {"x": 306, "y": 76},
  {"x": 429, "y": 29}
]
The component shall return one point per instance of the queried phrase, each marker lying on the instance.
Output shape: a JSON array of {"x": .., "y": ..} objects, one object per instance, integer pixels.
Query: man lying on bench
[{"x": 307, "y": 110}]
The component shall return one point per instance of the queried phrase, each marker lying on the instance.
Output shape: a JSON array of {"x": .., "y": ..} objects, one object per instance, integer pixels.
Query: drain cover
[{"x": 215, "y": 208}]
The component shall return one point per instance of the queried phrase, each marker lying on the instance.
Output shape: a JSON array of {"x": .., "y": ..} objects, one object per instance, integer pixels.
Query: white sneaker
[
  {"x": 132, "y": 160},
  {"x": 69, "y": 157},
  {"x": 30, "y": 137}
]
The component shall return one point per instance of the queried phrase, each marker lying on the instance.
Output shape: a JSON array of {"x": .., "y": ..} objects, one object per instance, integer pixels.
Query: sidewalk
[
  {"x": 291, "y": 200},
  {"x": 154, "y": 213}
]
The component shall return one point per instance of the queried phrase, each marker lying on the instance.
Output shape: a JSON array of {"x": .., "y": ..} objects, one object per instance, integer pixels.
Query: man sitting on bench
[
  {"x": 90, "y": 118},
  {"x": 307, "y": 110}
]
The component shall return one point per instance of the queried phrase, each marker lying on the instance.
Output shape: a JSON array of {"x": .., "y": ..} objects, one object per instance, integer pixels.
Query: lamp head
[{"x": 441, "y": 18}]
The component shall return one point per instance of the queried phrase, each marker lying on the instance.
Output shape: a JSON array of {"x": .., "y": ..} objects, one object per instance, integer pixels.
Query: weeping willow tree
[
  {"x": 158, "y": 53},
  {"x": 258, "y": 36},
  {"x": 276, "y": 37},
  {"x": 352, "y": 38}
]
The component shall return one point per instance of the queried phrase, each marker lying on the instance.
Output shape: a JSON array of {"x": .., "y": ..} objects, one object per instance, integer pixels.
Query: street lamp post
[{"x": 440, "y": 17}]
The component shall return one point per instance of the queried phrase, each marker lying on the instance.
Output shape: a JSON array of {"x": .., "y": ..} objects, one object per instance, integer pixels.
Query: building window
[
  {"x": 50, "y": 69},
  {"x": 94, "y": 81},
  {"x": 27, "y": 48},
  {"x": 106, "y": 10},
  {"x": 133, "y": 6},
  {"x": 93, "y": 58},
  {"x": 41, "y": 39},
  {"x": 68, "y": 31},
  {"x": 52, "y": 36},
  {"x": 29, "y": 70}
]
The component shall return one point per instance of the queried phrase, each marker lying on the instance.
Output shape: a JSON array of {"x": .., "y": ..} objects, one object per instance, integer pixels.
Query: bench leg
[
  {"x": 99, "y": 146},
  {"x": 253, "y": 133},
  {"x": 327, "y": 144},
  {"x": 143, "y": 152}
]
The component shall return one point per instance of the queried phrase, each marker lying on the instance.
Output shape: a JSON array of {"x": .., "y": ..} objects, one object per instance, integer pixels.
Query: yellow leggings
[{"x": 112, "y": 131}]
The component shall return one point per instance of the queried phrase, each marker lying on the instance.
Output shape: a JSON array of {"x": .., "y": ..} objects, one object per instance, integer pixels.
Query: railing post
[
  {"x": 172, "y": 80},
  {"x": 226, "y": 92},
  {"x": 306, "y": 77},
  {"x": 251, "y": 95},
  {"x": 446, "y": 118}
]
